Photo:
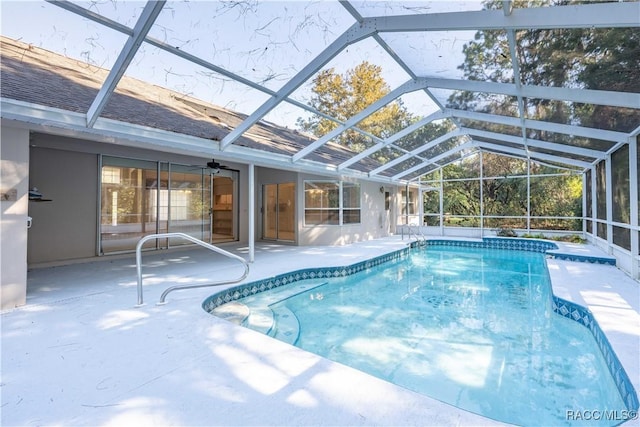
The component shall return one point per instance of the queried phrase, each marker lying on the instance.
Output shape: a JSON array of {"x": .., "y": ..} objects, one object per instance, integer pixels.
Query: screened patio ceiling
[{"x": 193, "y": 47}]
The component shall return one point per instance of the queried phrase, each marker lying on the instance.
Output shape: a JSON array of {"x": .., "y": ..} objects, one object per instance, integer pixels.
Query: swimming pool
[{"x": 473, "y": 327}]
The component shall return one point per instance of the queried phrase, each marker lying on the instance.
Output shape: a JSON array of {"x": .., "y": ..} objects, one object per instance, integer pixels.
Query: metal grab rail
[
  {"x": 196, "y": 241},
  {"x": 415, "y": 234}
]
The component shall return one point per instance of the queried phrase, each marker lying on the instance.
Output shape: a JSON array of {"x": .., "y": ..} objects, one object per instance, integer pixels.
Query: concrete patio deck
[{"x": 80, "y": 353}]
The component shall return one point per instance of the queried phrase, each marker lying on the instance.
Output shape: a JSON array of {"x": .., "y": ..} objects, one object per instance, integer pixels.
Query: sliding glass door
[
  {"x": 143, "y": 197},
  {"x": 278, "y": 220}
]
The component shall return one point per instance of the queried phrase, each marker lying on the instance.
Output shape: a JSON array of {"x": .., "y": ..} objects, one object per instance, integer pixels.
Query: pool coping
[{"x": 562, "y": 307}]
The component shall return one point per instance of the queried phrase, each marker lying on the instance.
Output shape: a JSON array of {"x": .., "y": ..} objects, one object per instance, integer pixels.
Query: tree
[
  {"x": 591, "y": 58},
  {"x": 343, "y": 96}
]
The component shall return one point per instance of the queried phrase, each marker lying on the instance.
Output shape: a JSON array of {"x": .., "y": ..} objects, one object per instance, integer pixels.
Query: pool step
[
  {"x": 234, "y": 312},
  {"x": 288, "y": 326},
  {"x": 260, "y": 319},
  {"x": 283, "y": 324}
]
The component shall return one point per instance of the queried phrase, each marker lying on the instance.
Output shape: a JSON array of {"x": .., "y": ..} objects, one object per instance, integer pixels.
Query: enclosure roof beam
[
  {"x": 469, "y": 152},
  {"x": 533, "y": 155},
  {"x": 511, "y": 37},
  {"x": 416, "y": 152},
  {"x": 148, "y": 16},
  {"x": 585, "y": 96},
  {"x": 585, "y": 132},
  {"x": 519, "y": 153},
  {"x": 434, "y": 160},
  {"x": 393, "y": 138},
  {"x": 409, "y": 86},
  {"x": 88, "y": 14},
  {"x": 616, "y": 15},
  {"x": 352, "y": 10},
  {"x": 562, "y": 148},
  {"x": 507, "y": 7},
  {"x": 353, "y": 34}
]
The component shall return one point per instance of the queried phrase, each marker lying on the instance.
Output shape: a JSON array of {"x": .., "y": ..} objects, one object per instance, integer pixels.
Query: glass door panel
[
  {"x": 225, "y": 207},
  {"x": 270, "y": 211},
  {"x": 286, "y": 212},
  {"x": 189, "y": 203},
  {"x": 128, "y": 199},
  {"x": 279, "y": 212}
]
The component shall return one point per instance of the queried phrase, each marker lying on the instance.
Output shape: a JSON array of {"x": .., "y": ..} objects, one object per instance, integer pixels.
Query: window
[
  {"x": 331, "y": 203},
  {"x": 411, "y": 204},
  {"x": 350, "y": 203}
]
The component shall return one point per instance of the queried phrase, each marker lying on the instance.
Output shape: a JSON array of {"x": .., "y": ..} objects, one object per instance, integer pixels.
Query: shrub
[{"x": 506, "y": 232}]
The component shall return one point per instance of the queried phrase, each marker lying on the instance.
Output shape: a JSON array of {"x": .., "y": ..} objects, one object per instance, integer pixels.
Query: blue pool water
[{"x": 468, "y": 326}]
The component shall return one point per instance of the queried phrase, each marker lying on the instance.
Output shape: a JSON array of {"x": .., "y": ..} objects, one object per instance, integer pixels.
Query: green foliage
[
  {"x": 591, "y": 58},
  {"x": 342, "y": 96},
  {"x": 504, "y": 193}
]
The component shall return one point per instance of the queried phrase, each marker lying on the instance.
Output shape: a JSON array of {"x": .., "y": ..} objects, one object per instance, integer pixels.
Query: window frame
[{"x": 344, "y": 211}]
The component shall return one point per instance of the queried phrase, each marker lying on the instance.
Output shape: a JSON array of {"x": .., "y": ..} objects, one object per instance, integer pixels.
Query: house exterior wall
[
  {"x": 65, "y": 227},
  {"x": 375, "y": 222},
  {"x": 65, "y": 170},
  {"x": 14, "y": 186}
]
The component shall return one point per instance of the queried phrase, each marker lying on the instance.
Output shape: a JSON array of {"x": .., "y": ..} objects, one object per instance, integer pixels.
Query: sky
[{"x": 267, "y": 42}]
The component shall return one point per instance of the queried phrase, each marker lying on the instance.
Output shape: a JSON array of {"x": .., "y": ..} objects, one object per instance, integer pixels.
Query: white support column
[
  {"x": 584, "y": 203},
  {"x": 609, "y": 197},
  {"x": 594, "y": 203},
  {"x": 441, "y": 202},
  {"x": 421, "y": 205},
  {"x": 252, "y": 212},
  {"x": 528, "y": 195},
  {"x": 481, "y": 195},
  {"x": 633, "y": 187}
]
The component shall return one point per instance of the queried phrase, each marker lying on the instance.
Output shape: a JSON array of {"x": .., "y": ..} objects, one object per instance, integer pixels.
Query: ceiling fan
[{"x": 215, "y": 166}]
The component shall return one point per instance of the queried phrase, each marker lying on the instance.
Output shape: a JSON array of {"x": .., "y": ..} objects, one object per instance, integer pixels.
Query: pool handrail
[
  {"x": 415, "y": 234},
  {"x": 176, "y": 287}
]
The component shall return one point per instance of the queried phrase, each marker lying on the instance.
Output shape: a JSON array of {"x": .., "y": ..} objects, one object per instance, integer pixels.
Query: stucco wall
[
  {"x": 375, "y": 220},
  {"x": 65, "y": 170},
  {"x": 65, "y": 227},
  {"x": 14, "y": 169}
]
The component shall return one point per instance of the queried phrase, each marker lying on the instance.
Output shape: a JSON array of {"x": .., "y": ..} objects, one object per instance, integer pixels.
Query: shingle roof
[{"x": 34, "y": 75}]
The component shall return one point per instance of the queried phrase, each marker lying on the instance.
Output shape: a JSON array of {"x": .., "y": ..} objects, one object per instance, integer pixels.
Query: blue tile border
[
  {"x": 253, "y": 288},
  {"x": 531, "y": 245},
  {"x": 514, "y": 243},
  {"x": 583, "y": 258},
  {"x": 582, "y": 315},
  {"x": 562, "y": 307}
]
